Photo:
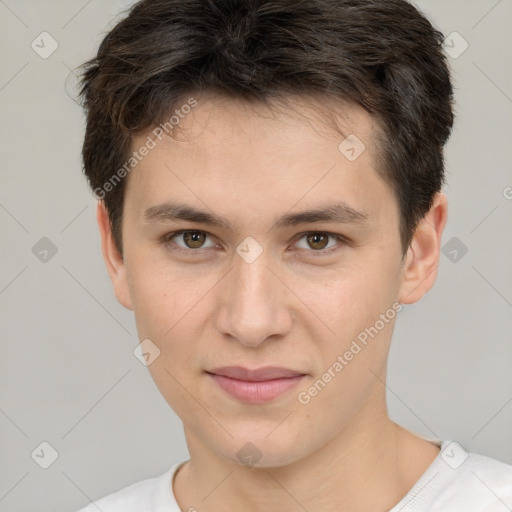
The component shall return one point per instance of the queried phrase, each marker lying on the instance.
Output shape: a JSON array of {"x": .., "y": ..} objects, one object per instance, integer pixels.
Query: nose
[{"x": 253, "y": 304}]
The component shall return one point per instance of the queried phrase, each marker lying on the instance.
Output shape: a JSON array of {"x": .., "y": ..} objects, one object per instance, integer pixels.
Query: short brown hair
[{"x": 383, "y": 55}]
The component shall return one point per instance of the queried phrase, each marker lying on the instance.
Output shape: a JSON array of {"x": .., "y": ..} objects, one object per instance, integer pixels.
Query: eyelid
[
  {"x": 168, "y": 239},
  {"x": 323, "y": 252}
]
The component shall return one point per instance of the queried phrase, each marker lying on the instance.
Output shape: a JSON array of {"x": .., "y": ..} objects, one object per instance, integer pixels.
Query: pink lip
[{"x": 255, "y": 386}]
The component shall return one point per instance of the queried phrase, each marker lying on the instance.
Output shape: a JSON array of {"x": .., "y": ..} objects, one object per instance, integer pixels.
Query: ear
[
  {"x": 113, "y": 260},
  {"x": 422, "y": 260}
]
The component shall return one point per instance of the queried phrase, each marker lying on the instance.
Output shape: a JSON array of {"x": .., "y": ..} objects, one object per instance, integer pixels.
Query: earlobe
[
  {"x": 422, "y": 260},
  {"x": 113, "y": 260}
]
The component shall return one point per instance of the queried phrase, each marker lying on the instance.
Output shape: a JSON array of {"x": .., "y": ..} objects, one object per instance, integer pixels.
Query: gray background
[{"x": 68, "y": 375}]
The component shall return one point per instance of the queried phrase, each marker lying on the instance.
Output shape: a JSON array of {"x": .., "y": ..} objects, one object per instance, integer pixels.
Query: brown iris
[
  {"x": 194, "y": 239},
  {"x": 317, "y": 238}
]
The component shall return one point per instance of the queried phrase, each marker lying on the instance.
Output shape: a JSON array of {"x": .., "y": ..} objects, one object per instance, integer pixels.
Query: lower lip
[{"x": 256, "y": 392}]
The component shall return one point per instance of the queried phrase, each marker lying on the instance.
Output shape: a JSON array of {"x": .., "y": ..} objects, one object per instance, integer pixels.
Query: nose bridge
[
  {"x": 254, "y": 281},
  {"x": 252, "y": 308}
]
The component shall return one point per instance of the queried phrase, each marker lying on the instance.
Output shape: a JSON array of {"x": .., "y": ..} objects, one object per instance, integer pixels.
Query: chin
[{"x": 259, "y": 450}]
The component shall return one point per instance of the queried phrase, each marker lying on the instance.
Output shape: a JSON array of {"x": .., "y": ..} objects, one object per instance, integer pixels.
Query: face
[{"x": 263, "y": 286}]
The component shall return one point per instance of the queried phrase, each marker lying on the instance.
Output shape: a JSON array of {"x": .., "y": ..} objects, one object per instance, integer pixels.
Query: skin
[{"x": 289, "y": 308}]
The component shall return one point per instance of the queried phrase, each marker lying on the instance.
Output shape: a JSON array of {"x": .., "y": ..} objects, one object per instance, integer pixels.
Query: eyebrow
[{"x": 338, "y": 213}]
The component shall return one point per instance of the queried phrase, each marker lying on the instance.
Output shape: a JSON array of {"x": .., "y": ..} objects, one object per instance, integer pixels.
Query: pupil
[
  {"x": 194, "y": 237},
  {"x": 315, "y": 240}
]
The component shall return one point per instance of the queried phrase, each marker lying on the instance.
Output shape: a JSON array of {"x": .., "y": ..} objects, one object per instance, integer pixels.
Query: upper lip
[{"x": 259, "y": 374}]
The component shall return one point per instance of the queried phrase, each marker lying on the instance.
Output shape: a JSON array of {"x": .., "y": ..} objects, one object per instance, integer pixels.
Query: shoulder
[
  {"x": 459, "y": 480},
  {"x": 133, "y": 498},
  {"x": 471, "y": 481},
  {"x": 491, "y": 473},
  {"x": 153, "y": 494}
]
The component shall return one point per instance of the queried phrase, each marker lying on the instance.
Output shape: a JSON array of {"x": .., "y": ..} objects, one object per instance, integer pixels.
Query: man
[{"x": 269, "y": 179}]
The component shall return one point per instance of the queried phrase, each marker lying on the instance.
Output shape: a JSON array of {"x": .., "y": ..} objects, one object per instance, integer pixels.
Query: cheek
[
  {"x": 160, "y": 293},
  {"x": 348, "y": 305},
  {"x": 153, "y": 303},
  {"x": 171, "y": 308},
  {"x": 357, "y": 351},
  {"x": 345, "y": 297},
  {"x": 166, "y": 309}
]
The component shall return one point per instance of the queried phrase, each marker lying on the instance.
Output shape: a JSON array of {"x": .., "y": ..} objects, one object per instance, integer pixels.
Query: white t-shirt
[{"x": 456, "y": 481}]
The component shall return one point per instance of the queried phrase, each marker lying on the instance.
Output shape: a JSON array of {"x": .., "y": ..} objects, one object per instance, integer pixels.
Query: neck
[{"x": 369, "y": 465}]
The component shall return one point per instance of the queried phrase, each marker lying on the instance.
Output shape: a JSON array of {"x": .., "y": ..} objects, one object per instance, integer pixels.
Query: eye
[
  {"x": 193, "y": 240},
  {"x": 317, "y": 242}
]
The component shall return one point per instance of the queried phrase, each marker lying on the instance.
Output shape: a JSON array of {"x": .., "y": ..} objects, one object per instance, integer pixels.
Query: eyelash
[{"x": 167, "y": 241}]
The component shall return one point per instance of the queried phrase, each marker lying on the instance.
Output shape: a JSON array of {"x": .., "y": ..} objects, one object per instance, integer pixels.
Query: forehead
[
  {"x": 282, "y": 121},
  {"x": 252, "y": 156}
]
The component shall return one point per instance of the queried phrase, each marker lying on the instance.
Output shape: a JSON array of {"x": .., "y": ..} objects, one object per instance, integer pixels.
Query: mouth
[{"x": 255, "y": 386}]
